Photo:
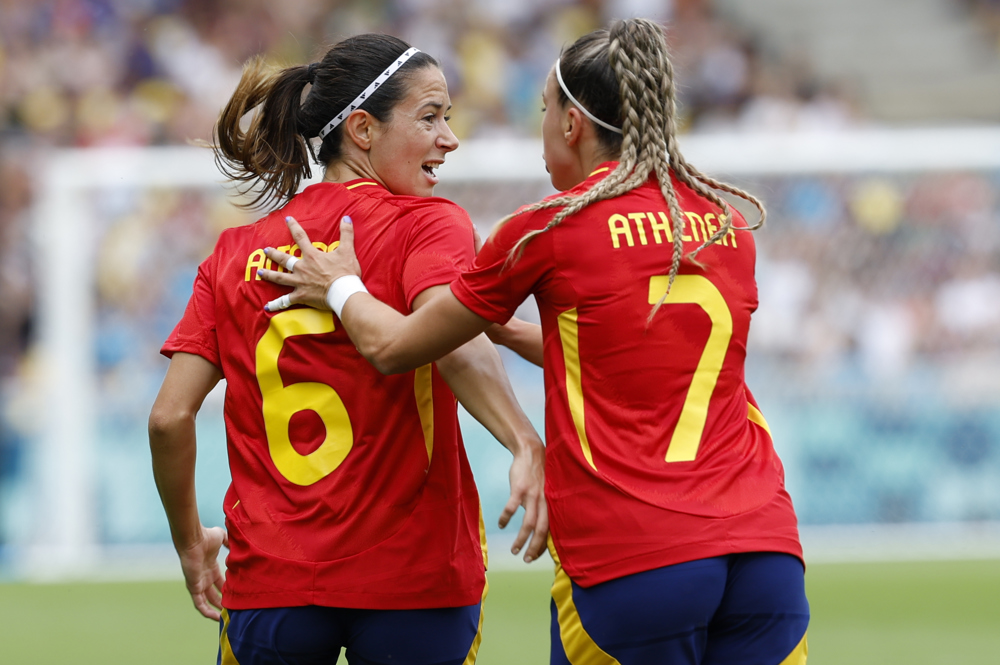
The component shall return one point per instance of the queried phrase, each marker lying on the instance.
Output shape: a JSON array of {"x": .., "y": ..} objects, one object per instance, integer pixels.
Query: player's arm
[
  {"x": 475, "y": 373},
  {"x": 521, "y": 337},
  {"x": 390, "y": 341},
  {"x": 172, "y": 444}
]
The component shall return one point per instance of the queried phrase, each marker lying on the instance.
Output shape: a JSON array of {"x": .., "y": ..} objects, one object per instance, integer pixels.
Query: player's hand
[
  {"x": 527, "y": 488},
  {"x": 311, "y": 276},
  {"x": 202, "y": 574},
  {"x": 498, "y": 334}
]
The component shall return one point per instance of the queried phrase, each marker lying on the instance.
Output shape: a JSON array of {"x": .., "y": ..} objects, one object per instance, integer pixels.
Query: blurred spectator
[
  {"x": 15, "y": 271},
  {"x": 879, "y": 270},
  {"x": 121, "y": 72},
  {"x": 987, "y": 16}
]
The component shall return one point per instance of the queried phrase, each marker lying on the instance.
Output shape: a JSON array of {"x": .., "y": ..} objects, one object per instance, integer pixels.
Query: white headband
[
  {"x": 581, "y": 106},
  {"x": 382, "y": 78}
]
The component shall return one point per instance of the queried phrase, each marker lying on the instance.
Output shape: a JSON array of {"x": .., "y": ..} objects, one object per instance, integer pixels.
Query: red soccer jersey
[
  {"x": 349, "y": 488},
  {"x": 656, "y": 452}
]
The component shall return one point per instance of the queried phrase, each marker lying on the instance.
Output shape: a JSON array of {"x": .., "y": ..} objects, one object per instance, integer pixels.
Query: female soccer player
[
  {"x": 673, "y": 536},
  {"x": 352, "y": 519}
]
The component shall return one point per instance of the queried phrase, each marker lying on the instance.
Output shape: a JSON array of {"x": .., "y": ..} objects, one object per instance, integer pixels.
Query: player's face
[
  {"x": 559, "y": 159},
  {"x": 406, "y": 150}
]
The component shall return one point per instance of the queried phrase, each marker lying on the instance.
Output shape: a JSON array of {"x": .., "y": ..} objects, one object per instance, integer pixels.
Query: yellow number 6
[{"x": 281, "y": 402}]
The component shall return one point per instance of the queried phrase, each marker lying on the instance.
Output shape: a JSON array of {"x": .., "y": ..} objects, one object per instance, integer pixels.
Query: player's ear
[
  {"x": 359, "y": 128},
  {"x": 572, "y": 126}
]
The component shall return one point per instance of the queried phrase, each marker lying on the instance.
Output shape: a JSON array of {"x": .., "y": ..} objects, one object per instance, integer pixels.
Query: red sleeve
[
  {"x": 494, "y": 288},
  {"x": 195, "y": 332},
  {"x": 439, "y": 247}
]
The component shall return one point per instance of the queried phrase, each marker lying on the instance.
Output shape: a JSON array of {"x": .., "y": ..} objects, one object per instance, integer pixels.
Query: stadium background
[{"x": 875, "y": 354}]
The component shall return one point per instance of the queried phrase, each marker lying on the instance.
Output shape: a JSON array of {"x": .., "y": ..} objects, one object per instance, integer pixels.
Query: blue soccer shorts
[
  {"x": 740, "y": 609},
  {"x": 314, "y": 635}
]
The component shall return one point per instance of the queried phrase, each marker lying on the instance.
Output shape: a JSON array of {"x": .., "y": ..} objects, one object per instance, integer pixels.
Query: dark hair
[
  {"x": 588, "y": 75},
  {"x": 272, "y": 154}
]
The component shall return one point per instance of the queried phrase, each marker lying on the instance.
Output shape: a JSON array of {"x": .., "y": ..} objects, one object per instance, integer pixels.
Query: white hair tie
[{"x": 382, "y": 78}]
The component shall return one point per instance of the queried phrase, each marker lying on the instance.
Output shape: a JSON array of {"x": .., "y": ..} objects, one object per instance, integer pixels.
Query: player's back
[
  {"x": 661, "y": 398},
  {"x": 650, "y": 428},
  {"x": 329, "y": 458}
]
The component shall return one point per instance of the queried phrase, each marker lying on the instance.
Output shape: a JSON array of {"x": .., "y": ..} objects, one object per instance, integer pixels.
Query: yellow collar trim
[{"x": 361, "y": 184}]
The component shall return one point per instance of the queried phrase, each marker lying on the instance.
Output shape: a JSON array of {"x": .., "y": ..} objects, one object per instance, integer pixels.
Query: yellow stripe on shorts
[
  {"x": 228, "y": 657},
  {"x": 799, "y": 653},
  {"x": 579, "y": 647},
  {"x": 474, "y": 649}
]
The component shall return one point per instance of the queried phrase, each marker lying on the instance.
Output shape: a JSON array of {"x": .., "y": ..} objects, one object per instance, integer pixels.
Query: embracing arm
[
  {"x": 521, "y": 337},
  {"x": 394, "y": 343},
  {"x": 172, "y": 444},
  {"x": 476, "y": 376},
  {"x": 390, "y": 341}
]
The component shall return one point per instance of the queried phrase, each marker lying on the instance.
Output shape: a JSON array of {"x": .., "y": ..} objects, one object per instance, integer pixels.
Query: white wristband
[{"x": 342, "y": 289}]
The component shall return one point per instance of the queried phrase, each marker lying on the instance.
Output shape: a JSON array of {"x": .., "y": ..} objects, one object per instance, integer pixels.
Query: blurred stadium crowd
[
  {"x": 113, "y": 72},
  {"x": 865, "y": 278},
  {"x": 92, "y": 73}
]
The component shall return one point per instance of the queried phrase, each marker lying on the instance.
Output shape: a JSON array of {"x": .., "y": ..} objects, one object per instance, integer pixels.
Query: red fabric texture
[
  {"x": 386, "y": 528},
  {"x": 631, "y": 510}
]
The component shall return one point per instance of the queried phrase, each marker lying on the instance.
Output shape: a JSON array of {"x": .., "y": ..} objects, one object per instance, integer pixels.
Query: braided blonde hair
[{"x": 633, "y": 56}]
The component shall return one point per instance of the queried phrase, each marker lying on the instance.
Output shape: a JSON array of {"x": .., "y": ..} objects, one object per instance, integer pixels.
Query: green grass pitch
[{"x": 912, "y": 613}]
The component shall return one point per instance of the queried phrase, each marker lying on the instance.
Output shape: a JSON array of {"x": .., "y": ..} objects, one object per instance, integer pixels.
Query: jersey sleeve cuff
[
  {"x": 427, "y": 282},
  {"x": 192, "y": 347},
  {"x": 479, "y": 306}
]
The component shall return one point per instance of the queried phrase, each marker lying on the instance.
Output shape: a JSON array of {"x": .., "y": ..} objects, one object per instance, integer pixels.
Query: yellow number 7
[
  {"x": 687, "y": 289},
  {"x": 696, "y": 290}
]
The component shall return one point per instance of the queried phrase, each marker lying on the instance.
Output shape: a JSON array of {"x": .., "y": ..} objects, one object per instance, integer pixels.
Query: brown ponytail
[
  {"x": 270, "y": 159},
  {"x": 271, "y": 155}
]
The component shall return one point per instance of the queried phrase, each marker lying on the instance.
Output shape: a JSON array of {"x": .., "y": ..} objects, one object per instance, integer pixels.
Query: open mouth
[{"x": 429, "y": 168}]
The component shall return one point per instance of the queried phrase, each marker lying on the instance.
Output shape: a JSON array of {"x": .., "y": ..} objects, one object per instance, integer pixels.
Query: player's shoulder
[
  {"x": 537, "y": 215},
  {"x": 235, "y": 237},
  {"x": 312, "y": 203},
  {"x": 422, "y": 210},
  {"x": 428, "y": 205}
]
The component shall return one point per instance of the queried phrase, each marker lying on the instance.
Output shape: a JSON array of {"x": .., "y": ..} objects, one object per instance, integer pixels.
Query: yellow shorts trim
[
  {"x": 799, "y": 653},
  {"x": 474, "y": 649},
  {"x": 228, "y": 657},
  {"x": 579, "y": 647}
]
